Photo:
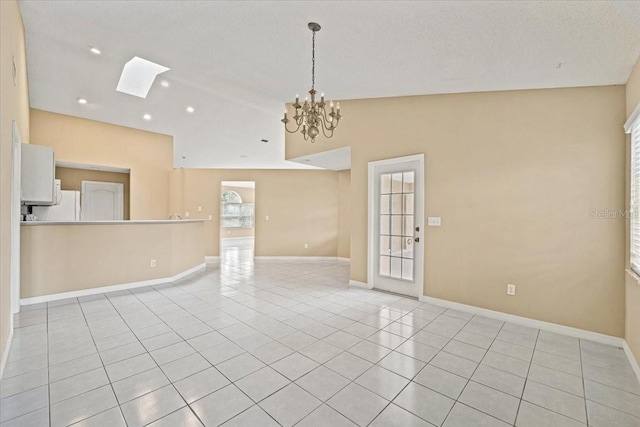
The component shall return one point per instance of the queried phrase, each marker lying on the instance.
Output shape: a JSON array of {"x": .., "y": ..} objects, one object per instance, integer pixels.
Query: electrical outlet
[
  {"x": 266, "y": 218},
  {"x": 511, "y": 289},
  {"x": 210, "y": 216},
  {"x": 152, "y": 264},
  {"x": 306, "y": 246},
  {"x": 199, "y": 208},
  {"x": 186, "y": 214}
]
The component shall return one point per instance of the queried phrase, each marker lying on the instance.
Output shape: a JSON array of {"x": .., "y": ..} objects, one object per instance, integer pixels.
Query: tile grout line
[
  {"x": 527, "y": 377},
  {"x": 456, "y": 400},
  {"x": 584, "y": 387},
  {"x": 104, "y": 368}
]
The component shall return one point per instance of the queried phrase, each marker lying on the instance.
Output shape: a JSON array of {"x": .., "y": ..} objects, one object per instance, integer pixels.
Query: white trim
[
  {"x": 84, "y": 166},
  {"x": 357, "y": 284},
  {"x": 14, "y": 267},
  {"x": 632, "y": 359},
  {"x": 210, "y": 258},
  {"x": 297, "y": 258},
  {"x": 525, "y": 321},
  {"x": 343, "y": 259},
  {"x": 371, "y": 207},
  {"x": 628, "y": 125},
  {"x": 5, "y": 355},
  {"x": 113, "y": 288}
]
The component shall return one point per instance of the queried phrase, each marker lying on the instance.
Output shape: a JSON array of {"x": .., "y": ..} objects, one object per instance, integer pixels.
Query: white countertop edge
[{"x": 143, "y": 221}]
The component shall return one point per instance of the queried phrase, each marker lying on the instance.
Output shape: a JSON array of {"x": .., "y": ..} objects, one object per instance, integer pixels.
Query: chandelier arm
[
  {"x": 324, "y": 114},
  {"x": 292, "y": 131},
  {"x": 325, "y": 129},
  {"x": 328, "y": 133}
]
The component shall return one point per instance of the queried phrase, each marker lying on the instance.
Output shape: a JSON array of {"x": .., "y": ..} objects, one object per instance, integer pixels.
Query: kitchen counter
[
  {"x": 138, "y": 221},
  {"x": 63, "y": 259}
]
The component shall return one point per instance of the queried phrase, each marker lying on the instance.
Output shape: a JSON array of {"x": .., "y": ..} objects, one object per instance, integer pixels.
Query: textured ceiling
[{"x": 238, "y": 62}]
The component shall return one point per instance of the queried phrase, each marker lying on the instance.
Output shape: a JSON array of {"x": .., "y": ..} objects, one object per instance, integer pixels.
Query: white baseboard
[
  {"x": 5, "y": 354},
  {"x": 632, "y": 359},
  {"x": 297, "y": 258},
  {"x": 525, "y": 321},
  {"x": 357, "y": 284},
  {"x": 209, "y": 258},
  {"x": 113, "y": 288},
  {"x": 343, "y": 259}
]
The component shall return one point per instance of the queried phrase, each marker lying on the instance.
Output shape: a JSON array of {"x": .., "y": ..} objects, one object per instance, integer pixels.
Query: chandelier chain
[{"x": 313, "y": 60}]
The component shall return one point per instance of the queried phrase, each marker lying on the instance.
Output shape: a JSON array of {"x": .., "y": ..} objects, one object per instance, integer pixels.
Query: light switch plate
[{"x": 434, "y": 221}]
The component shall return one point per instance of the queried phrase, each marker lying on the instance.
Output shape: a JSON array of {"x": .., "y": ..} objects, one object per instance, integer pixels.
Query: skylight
[{"x": 138, "y": 76}]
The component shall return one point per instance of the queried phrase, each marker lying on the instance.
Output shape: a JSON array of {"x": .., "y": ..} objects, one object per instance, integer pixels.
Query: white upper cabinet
[{"x": 38, "y": 171}]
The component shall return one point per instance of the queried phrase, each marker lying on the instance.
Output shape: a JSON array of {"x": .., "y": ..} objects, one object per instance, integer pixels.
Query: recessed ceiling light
[
  {"x": 164, "y": 83},
  {"x": 190, "y": 109},
  {"x": 138, "y": 75},
  {"x": 147, "y": 117},
  {"x": 95, "y": 50},
  {"x": 82, "y": 101}
]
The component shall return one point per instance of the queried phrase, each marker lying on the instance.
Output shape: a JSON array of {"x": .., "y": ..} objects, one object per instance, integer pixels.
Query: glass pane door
[
  {"x": 396, "y": 217},
  {"x": 395, "y": 258}
]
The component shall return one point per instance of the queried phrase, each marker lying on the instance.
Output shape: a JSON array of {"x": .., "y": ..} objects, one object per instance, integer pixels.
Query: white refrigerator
[{"x": 67, "y": 210}]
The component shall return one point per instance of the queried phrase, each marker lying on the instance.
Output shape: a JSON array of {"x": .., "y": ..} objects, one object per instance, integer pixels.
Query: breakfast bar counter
[{"x": 63, "y": 259}]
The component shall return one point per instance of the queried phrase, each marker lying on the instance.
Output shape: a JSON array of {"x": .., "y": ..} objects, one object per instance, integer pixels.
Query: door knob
[
  {"x": 417, "y": 228},
  {"x": 417, "y": 240}
]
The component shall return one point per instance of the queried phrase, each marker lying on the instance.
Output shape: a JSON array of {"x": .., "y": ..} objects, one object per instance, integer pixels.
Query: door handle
[
  {"x": 417, "y": 240},
  {"x": 417, "y": 228}
]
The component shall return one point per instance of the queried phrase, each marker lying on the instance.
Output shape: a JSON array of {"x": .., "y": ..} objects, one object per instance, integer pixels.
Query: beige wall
[
  {"x": 632, "y": 284},
  {"x": 14, "y": 106},
  {"x": 71, "y": 179},
  {"x": 344, "y": 219},
  {"x": 633, "y": 89},
  {"x": 103, "y": 255},
  {"x": 302, "y": 208},
  {"x": 248, "y": 195},
  {"x": 514, "y": 176},
  {"x": 148, "y": 155}
]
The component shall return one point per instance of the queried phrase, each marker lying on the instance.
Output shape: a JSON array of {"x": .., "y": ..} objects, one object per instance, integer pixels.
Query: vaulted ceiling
[{"x": 237, "y": 62}]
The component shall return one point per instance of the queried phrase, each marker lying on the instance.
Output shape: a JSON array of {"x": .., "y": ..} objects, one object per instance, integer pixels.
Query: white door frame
[
  {"x": 372, "y": 233},
  {"x": 14, "y": 269}
]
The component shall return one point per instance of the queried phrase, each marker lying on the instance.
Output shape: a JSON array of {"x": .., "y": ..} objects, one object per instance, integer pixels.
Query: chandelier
[{"x": 312, "y": 116}]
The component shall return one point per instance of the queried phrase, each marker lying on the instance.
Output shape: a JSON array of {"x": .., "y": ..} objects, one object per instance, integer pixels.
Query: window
[
  {"x": 235, "y": 214},
  {"x": 231, "y": 197},
  {"x": 634, "y": 214}
]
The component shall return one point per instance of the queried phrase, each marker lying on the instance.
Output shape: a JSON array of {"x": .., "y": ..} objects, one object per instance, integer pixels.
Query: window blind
[{"x": 634, "y": 212}]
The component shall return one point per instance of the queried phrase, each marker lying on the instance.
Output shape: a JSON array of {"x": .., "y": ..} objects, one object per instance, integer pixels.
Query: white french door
[{"x": 396, "y": 221}]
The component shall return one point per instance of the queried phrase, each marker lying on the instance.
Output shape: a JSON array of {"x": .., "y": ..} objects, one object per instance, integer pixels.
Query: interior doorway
[{"x": 237, "y": 221}]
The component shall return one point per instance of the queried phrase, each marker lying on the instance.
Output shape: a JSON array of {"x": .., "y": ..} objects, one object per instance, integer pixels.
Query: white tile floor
[{"x": 270, "y": 343}]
